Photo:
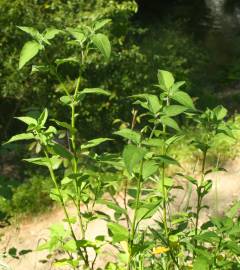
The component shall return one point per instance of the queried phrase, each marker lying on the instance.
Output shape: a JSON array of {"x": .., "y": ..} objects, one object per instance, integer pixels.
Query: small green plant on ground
[{"x": 144, "y": 230}]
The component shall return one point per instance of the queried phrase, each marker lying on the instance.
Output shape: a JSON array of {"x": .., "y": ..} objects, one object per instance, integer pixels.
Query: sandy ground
[{"x": 31, "y": 232}]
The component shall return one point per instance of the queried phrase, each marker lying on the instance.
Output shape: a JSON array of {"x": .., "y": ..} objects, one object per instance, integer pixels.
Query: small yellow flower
[{"x": 160, "y": 250}]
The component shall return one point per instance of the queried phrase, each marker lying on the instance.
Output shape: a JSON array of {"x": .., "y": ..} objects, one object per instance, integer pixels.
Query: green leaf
[
  {"x": 43, "y": 118},
  {"x": 66, "y": 100},
  {"x": 29, "y": 50},
  {"x": 147, "y": 211},
  {"x": 101, "y": 41},
  {"x": 66, "y": 60},
  {"x": 31, "y": 31},
  {"x": 184, "y": 99},
  {"x": 28, "y": 120},
  {"x": 174, "y": 110},
  {"x": 149, "y": 168},
  {"x": 21, "y": 137},
  {"x": 167, "y": 160},
  {"x": 70, "y": 246},
  {"x": 97, "y": 91},
  {"x": 113, "y": 206},
  {"x": 66, "y": 180},
  {"x": 153, "y": 142},
  {"x": 167, "y": 121},
  {"x": 62, "y": 151},
  {"x": 42, "y": 69},
  {"x": 54, "y": 161},
  {"x": 152, "y": 102},
  {"x": 201, "y": 264},
  {"x": 101, "y": 23},
  {"x": 77, "y": 34},
  {"x": 209, "y": 237},
  {"x": 231, "y": 213},
  {"x": 63, "y": 124},
  {"x": 132, "y": 155},
  {"x": 129, "y": 134},
  {"x": 119, "y": 233},
  {"x": 50, "y": 33},
  {"x": 165, "y": 80},
  {"x": 177, "y": 85},
  {"x": 220, "y": 112},
  {"x": 66, "y": 262},
  {"x": 234, "y": 247},
  {"x": 94, "y": 142},
  {"x": 42, "y": 161}
]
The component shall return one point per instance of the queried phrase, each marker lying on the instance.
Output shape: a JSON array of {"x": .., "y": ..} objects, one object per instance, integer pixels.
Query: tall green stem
[
  {"x": 164, "y": 203},
  {"x": 75, "y": 163},
  {"x": 53, "y": 177},
  {"x": 134, "y": 223},
  {"x": 164, "y": 190},
  {"x": 199, "y": 194}
]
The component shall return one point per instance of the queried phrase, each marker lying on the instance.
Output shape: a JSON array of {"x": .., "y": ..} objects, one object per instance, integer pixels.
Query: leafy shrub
[
  {"x": 172, "y": 240},
  {"x": 31, "y": 197},
  {"x": 21, "y": 199}
]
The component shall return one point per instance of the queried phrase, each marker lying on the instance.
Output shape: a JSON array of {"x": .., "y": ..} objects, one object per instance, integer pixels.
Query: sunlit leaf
[
  {"x": 29, "y": 50},
  {"x": 129, "y": 134},
  {"x": 101, "y": 41},
  {"x": 165, "y": 80}
]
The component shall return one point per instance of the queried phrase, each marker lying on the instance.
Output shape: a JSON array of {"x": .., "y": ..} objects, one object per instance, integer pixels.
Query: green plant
[
  {"x": 75, "y": 183},
  {"x": 143, "y": 229}
]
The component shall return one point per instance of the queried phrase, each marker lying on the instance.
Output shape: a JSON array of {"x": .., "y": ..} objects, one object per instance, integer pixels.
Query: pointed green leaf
[
  {"x": 153, "y": 142},
  {"x": 29, "y": 50},
  {"x": 62, "y": 151},
  {"x": 177, "y": 85},
  {"x": 97, "y": 91},
  {"x": 149, "y": 168},
  {"x": 42, "y": 69},
  {"x": 94, "y": 143},
  {"x": 50, "y": 33},
  {"x": 54, "y": 161},
  {"x": 101, "y": 23},
  {"x": 167, "y": 160},
  {"x": 77, "y": 34},
  {"x": 119, "y": 233},
  {"x": 101, "y": 41},
  {"x": 43, "y": 117},
  {"x": 132, "y": 156},
  {"x": 184, "y": 99},
  {"x": 174, "y": 110},
  {"x": 201, "y": 264},
  {"x": 21, "y": 137},
  {"x": 66, "y": 100},
  {"x": 167, "y": 121},
  {"x": 152, "y": 102},
  {"x": 220, "y": 112},
  {"x": 129, "y": 134},
  {"x": 31, "y": 31},
  {"x": 66, "y": 60},
  {"x": 165, "y": 79},
  {"x": 63, "y": 124},
  {"x": 27, "y": 120}
]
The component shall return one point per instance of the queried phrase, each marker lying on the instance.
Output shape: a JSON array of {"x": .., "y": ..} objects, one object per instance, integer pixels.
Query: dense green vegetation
[
  {"x": 99, "y": 124},
  {"x": 140, "y": 46}
]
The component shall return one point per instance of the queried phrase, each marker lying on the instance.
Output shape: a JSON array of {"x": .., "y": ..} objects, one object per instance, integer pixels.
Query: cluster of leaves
[
  {"x": 16, "y": 90},
  {"x": 132, "y": 64},
  {"x": 143, "y": 229}
]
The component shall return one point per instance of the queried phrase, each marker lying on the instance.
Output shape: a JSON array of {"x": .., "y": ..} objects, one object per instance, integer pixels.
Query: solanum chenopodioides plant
[
  {"x": 145, "y": 159},
  {"x": 74, "y": 184},
  {"x": 146, "y": 156}
]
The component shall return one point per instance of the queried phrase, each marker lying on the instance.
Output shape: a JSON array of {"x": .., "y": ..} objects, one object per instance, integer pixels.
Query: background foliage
[{"x": 142, "y": 42}]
